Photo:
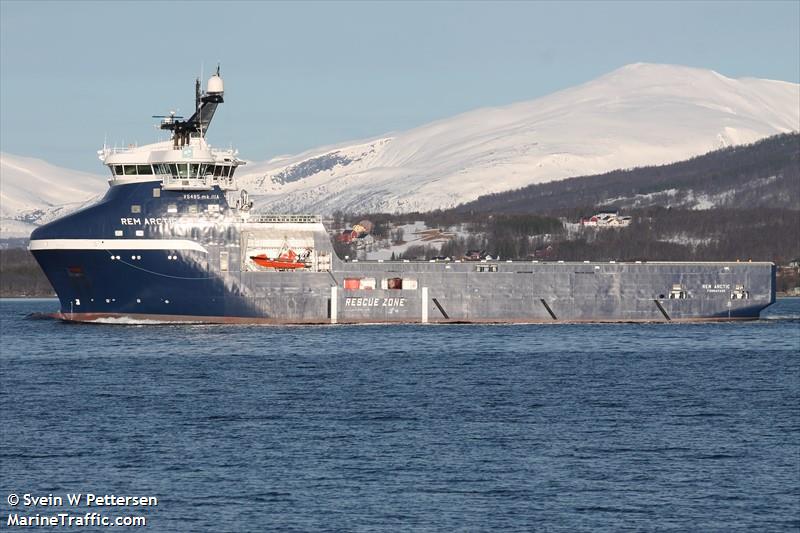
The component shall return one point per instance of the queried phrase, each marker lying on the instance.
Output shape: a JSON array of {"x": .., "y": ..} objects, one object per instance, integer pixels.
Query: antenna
[
  {"x": 197, "y": 95},
  {"x": 201, "y": 78}
]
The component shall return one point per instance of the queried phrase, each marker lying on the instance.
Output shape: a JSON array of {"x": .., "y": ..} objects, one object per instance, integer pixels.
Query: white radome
[{"x": 215, "y": 84}]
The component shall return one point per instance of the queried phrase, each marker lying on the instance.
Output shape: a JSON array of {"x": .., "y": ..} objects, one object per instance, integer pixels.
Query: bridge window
[
  {"x": 129, "y": 170},
  {"x": 179, "y": 170},
  {"x": 118, "y": 170},
  {"x": 184, "y": 171}
]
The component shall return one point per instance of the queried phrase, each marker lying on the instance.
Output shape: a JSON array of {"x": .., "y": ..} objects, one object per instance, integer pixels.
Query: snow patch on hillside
[{"x": 688, "y": 198}]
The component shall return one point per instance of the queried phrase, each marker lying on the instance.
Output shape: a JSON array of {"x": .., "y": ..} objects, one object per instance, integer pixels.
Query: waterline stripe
[{"x": 116, "y": 244}]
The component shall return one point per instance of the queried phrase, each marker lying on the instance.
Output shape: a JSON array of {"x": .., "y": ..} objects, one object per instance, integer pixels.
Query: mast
[{"x": 205, "y": 104}]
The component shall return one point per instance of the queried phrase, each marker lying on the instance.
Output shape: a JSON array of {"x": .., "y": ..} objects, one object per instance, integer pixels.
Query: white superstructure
[{"x": 186, "y": 161}]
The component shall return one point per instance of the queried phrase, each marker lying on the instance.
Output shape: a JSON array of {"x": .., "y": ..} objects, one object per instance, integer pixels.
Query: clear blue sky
[{"x": 303, "y": 74}]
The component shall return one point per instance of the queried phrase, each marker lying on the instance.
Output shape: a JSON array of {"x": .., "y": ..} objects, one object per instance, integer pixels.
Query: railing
[
  {"x": 162, "y": 147},
  {"x": 202, "y": 183},
  {"x": 283, "y": 219}
]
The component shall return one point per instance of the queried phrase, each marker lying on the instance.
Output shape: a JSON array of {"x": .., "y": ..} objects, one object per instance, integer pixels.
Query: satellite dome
[{"x": 215, "y": 84}]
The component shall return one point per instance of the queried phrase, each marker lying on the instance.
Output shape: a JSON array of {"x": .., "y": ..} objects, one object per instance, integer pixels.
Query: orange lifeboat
[{"x": 286, "y": 261}]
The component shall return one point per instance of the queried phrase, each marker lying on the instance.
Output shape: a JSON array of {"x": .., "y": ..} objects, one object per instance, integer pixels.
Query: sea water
[{"x": 584, "y": 427}]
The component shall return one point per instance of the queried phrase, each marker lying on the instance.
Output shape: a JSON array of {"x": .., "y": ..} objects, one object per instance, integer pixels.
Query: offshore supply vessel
[{"x": 174, "y": 239}]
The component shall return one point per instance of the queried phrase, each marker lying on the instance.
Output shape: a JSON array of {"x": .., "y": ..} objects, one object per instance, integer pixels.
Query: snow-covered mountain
[
  {"x": 33, "y": 192},
  {"x": 640, "y": 114}
]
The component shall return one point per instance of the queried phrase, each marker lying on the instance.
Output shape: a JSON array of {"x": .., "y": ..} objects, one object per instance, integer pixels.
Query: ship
[{"x": 175, "y": 240}]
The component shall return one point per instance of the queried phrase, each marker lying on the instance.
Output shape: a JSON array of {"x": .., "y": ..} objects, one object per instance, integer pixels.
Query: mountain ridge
[
  {"x": 598, "y": 126},
  {"x": 764, "y": 174}
]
